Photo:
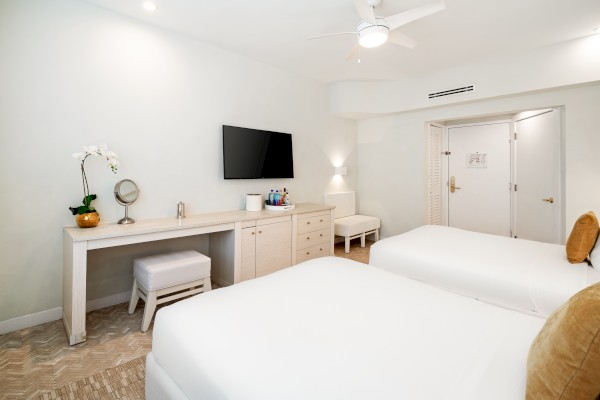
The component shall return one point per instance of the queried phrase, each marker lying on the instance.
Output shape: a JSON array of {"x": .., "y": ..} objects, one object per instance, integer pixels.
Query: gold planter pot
[{"x": 88, "y": 220}]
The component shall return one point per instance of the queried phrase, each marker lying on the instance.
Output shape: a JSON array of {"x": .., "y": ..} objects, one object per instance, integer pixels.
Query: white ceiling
[{"x": 275, "y": 31}]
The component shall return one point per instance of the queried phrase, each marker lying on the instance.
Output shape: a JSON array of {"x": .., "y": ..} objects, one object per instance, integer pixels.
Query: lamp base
[{"x": 126, "y": 221}]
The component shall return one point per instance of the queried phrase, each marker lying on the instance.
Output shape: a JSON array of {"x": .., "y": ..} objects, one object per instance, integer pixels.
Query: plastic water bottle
[
  {"x": 276, "y": 198},
  {"x": 270, "y": 198}
]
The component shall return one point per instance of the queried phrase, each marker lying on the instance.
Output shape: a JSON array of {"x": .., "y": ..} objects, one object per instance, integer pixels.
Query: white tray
[{"x": 280, "y": 208}]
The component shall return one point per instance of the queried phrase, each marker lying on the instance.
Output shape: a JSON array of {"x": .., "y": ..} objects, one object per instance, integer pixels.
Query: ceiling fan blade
[
  {"x": 401, "y": 40},
  {"x": 353, "y": 53},
  {"x": 332, "y": 34},
  {"x": 405, "y": 17},
  {"x": 365, "y": 11}
]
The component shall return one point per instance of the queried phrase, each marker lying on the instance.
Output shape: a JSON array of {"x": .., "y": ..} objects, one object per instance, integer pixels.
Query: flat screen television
[{"x": 254, "y": 154}]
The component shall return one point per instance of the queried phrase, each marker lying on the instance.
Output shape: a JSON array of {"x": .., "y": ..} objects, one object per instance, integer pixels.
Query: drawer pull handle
[
  {"x": 259, "y": 231},
  {"x": 320, "y": 249},
  {"x": 308, "y": 223},
  {"x": 320, "y": 220},
  {"x": 321, "y": 235},
  {"x": 308, "y": 253},
  {"x": 308, "y": 238},
  {"x": 253, "y": 233}
]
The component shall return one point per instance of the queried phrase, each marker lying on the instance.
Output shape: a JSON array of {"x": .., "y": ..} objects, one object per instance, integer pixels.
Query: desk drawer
[
  {"x": 313, "y": 238},
  {"x": 312, "y": 224},
  {"x": 319, "y": 250}
]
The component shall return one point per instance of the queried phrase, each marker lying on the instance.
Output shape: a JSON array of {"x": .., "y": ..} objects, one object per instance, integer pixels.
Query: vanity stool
[
  {"x": 347, "y": 223},
  {"x": 167, "y": 277}
]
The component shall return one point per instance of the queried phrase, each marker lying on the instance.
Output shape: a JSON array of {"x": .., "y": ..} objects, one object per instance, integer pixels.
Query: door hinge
[
  {"x": 515, "y": 135},
  {"x": 446, "y": 153},
  {"x": 515, "y": 187}
]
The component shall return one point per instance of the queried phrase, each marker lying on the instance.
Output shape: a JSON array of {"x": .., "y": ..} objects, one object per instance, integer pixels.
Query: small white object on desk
[{"x": 254, "y": 202}]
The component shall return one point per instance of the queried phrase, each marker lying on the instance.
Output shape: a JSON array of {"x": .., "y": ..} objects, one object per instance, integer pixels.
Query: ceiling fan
[{"x": 373, "y": 30}]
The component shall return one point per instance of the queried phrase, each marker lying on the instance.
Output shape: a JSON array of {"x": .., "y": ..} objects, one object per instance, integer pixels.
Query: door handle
[
  {"x": 453, "y": 186},
  {"x": 549, "y": 200}
]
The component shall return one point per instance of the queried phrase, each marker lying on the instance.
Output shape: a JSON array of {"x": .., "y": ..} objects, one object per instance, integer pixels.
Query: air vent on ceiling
[{"x": 451, "y": 92}]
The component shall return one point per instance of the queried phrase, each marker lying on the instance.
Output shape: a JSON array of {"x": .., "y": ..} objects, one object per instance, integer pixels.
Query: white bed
[
  {"x": 332, "y": 328},
  {"x": 519, "y": 274}
]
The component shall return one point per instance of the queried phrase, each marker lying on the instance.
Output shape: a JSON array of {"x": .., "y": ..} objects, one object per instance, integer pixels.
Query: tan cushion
[
  {"x": 564, "y": 359},
  {"x": 582, "y": 237}
]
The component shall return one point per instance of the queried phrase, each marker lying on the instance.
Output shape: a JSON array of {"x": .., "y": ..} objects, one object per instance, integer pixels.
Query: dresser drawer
[
  {"x": 313, "y": 238},
  {"x": 312, "y": 224},
  {"x": 319, "y": 250}
]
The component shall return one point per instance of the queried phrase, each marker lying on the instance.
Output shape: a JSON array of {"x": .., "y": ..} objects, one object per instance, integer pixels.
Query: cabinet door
[
  {"x": 248, "y": 254},
  {"x": 273, "y": 247}
]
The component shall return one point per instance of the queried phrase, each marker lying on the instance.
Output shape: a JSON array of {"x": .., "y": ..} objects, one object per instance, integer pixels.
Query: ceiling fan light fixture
[{"x": 370, "y": 35}]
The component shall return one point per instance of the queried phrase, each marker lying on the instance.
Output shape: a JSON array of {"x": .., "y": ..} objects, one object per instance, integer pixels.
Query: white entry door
[
  {"x": 538, "y": 177},
  {"x": 479, "y": 178}
]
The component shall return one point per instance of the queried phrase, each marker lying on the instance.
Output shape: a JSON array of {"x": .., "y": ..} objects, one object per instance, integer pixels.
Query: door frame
[{"x": 505, "y": 117}]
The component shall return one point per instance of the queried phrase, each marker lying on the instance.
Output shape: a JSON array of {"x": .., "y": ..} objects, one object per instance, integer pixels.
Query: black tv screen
[{"x": 253, "y": 154}]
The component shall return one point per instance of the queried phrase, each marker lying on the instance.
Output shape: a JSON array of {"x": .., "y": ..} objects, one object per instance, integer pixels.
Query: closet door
[
  {"x": 434, "y": 184},
  {"x": 538, "y": 176}
]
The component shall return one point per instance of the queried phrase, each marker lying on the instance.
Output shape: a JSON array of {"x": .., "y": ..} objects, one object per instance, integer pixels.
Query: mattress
[
  {"x": 514, "y": 273},
  {"x": 332, "y": 328}
]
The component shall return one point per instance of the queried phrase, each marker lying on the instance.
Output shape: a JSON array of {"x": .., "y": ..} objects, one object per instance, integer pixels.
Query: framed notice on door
[{"x": 477, "y": 160}]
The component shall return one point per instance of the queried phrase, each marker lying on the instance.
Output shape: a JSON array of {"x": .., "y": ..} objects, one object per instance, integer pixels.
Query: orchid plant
[{"x": 112, "y": 162}]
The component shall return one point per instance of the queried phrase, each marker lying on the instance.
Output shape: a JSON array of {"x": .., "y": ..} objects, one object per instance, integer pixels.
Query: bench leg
[
  {"x": 149, "y": 310},
  {"x": 362, "y": 240},
  {"x": 135, "y": 297},
  {"x": 347, "y": 244},
  {"x": 206, "y": 284}
]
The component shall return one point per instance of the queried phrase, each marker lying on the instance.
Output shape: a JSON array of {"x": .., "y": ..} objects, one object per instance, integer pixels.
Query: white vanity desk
[{"x": 234, "y": 238}]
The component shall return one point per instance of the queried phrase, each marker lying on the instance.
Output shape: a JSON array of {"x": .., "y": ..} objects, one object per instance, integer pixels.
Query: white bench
[
  {"x": 347, "y": 223},
  {"x": 168, "y": 277}
]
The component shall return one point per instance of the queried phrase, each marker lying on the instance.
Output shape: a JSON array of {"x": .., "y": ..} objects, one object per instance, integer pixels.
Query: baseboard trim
[
  {"x": 27, "y": 321},
  {"x": 42, "y": 317},
  {"x": 108, "y": 301}
]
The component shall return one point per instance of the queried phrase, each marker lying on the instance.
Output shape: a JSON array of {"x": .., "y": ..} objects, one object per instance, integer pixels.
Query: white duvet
[
  {"x": 519, "y": 274},
  {"x": 332, "y": 328}
]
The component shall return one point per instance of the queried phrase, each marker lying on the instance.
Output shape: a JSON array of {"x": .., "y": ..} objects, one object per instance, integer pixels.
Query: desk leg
[{"x": 74, "y": 287}]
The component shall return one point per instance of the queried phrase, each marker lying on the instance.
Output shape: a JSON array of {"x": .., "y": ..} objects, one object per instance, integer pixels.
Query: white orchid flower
[{"x": 112, "y": 162}]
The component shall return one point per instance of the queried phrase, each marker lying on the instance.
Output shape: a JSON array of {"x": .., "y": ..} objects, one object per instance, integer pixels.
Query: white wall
[
  {"x": 72, "y": 74},
  {"x": 392, "y": 154},
  {"x": 569, "y": 63}
]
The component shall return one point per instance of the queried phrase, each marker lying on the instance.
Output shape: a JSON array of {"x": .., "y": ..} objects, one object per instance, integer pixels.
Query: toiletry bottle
[
  {"x": 276, "y": 198},
  {"x": 270, "y": 198}
]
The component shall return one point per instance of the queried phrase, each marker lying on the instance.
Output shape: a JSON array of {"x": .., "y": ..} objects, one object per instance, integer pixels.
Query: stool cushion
[
  {"x": 170, "y": 269},
  {"x": 355, "y": 225}
]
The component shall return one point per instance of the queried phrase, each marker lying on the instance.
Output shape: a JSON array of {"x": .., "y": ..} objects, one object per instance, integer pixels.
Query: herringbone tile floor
[{"x": 36, "y": 361}]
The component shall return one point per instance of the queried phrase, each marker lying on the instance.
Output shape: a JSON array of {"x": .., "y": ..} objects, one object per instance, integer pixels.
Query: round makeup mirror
[{"x": 126, "y": 193}]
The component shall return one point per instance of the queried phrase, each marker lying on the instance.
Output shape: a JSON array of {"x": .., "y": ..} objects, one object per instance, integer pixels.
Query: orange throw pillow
[
  {"x": 582, "y": 238},
  {"x": 564, "y": 359}
]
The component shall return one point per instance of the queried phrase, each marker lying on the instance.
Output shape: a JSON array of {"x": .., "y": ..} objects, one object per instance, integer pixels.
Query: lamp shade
[{"x": 340, "y": 171}]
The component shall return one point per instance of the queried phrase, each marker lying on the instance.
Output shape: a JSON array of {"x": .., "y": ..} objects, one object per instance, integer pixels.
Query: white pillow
[{"x": 595, "y": 256}]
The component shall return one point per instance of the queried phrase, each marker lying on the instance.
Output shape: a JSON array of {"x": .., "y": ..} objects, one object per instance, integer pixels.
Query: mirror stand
[
  {"x": 126, "y": 193},
  {"x": 126, "y": 220}
]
